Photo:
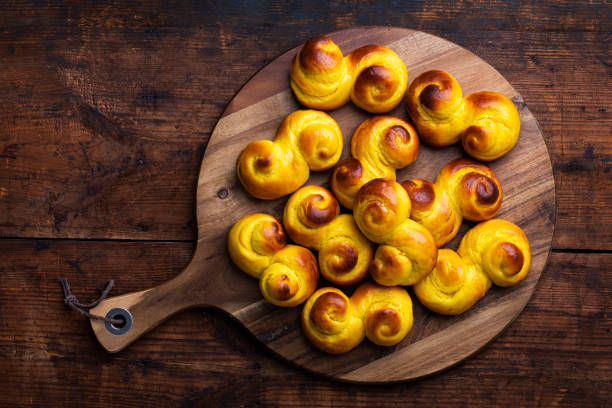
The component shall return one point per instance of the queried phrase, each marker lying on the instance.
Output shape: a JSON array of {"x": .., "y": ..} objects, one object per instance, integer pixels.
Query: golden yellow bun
[
  {"x": 487, "y": 123},
  {"x": 331, "y": 322},
  {"x": 373, "y": 76},
  {"x": 500, "y": 249},
  {"x": 494, "y": 250},
  {"x": 312, "y": 219},
  {"x": 287, "y": 274},
  {"x": 408, "y": 251},
  {"x": 336, "y": 324},
  {"x": 306, "y": 140},
  {"x": 453, "y": 286},
  {"x": 463, "y": 189},
  {"x": 386, "y": 312},
  {"x": 379, "y": 146}
]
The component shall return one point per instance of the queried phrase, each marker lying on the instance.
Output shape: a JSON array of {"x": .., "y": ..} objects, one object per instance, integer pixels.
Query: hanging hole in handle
[{"x": 122, "y": 314}]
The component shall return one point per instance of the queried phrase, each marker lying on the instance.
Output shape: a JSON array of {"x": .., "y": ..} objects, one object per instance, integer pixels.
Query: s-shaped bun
[
  {"x": 373, "y": 76},
  {"x": 312, "y": 218},
  {"x": 494, "y": 250},
  {"x": 463, "y": 189},
  {"x": 379, "y": 146},
  {"x": 487, "y": 123},
  {"x": 408, "y": 251},
  {"x": 287, "y": 274},
  {"x": 306, "y": 140},
  {"x": 336, "y": 323}
]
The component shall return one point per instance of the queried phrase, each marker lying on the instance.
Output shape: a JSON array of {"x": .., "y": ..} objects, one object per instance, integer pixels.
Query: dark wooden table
[{"x": 105, "y": 112}]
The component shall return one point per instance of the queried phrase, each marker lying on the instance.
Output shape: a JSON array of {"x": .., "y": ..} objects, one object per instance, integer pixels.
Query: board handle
[{"x": 141, "y": 311}]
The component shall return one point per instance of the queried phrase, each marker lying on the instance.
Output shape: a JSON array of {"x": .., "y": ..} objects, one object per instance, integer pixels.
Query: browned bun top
[
  {"x": 387, "y": 318},
  {"x": 382, "y": 188},
  {"x": 486, "y": 100},
  {"x": 281, "y": 287},
  {"x": 380, "y": 78},
  {"x": 421, "y": 192},
  {"x": 438, "y": 92},
  {"x": 319, "y": 210},
  {"x": 320, "y": 54},
  {"x": 345, "y": 256},
  {"x": 511, "y": 258},
  {"x": 326, "y": 309},
  {"x": 397, "y": 135},
  {"x": 380, "y": 206},
  {"x": 274, "y": 236},
  {"x": 474, "y": 187},
  {"x": 348, "y": 172},
  {"x": 484, "y": 187}
]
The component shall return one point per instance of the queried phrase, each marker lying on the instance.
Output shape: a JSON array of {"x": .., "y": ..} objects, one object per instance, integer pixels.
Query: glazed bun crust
[
  {"x": 501, "y": 250},
  {"x": 494, "y": 251},
  {"x": 336, "y": 323},
  {"x": 288, "y": 274},
  {"x": 408, "y": 250},
  {"x": 253, "y": 240},
  {"x": 435, "y": 103},
  {"x": 312, "y": 218},
  {"x": 453, "y": 286},
  {"x": 372, "y": 76},
  {"x": 387, "y": 312},
  {"x": 306, "y": 140},
  {"x": 331, "y": 322},
  {"x": 463, "y": 189},
  {"x": 487, "y": 123},
  {"x": 379, "y": 146}
]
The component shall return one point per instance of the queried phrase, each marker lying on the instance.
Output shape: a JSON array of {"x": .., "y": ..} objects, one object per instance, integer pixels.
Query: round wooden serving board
[{"x": 436, "y": 341}]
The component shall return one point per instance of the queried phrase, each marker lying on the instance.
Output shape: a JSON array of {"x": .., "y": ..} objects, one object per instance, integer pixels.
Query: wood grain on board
[{"x": 435, "y": 342}]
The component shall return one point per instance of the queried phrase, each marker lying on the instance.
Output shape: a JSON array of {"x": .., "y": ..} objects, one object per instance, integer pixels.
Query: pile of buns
[{"x": 370, "y": 226}]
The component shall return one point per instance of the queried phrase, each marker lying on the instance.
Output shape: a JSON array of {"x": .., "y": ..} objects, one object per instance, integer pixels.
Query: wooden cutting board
[{"x": 435, "y": 342}]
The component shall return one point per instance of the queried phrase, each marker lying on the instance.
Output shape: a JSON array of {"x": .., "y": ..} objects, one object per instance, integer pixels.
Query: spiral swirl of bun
[
  {"x": 331, "y": 322},
  {"x": 287, "y": 274},
  {"x": 336, "y": 324},
  {"x": 386, "y": 311},
  {"x": 408, "y": 251},
  {"x": 379, "y": 146},
  {"x": 306, "y": 140},
  {"x": 463, "y": 188},
  {"x": 372, "y": 76},
  {"x": 487, "y": 123},
  {"x": 494, "y": 250},
  {"x": 453, "y": 286},
  {"x": 312, "y": 219},
  {"x": 500, "y": 249}
]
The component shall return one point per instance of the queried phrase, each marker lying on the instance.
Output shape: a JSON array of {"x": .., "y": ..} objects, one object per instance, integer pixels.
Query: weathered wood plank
[
  {"x": 554, "y": 354},
  {"x": 494, "y": 15}
]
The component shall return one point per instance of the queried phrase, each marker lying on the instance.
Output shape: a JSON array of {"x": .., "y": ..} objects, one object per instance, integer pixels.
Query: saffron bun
[
  {"x": 407, "y": 250},
  {"x": 331, "y": 322},
  {"x": 495, "y": 251},
  {"x": 312, "y": 218},
  {"x": 336, "y": 324},
  {"x": 463, "y": 189},
  {"x": 486, "y": 123},
  {"x": 379, "y": 146},
  {"x": 373, "y": 76},
  {"x": 288, "y": 274},
  {"x": 306, "y": 140},
  {"x": 386, "y": 312}
]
